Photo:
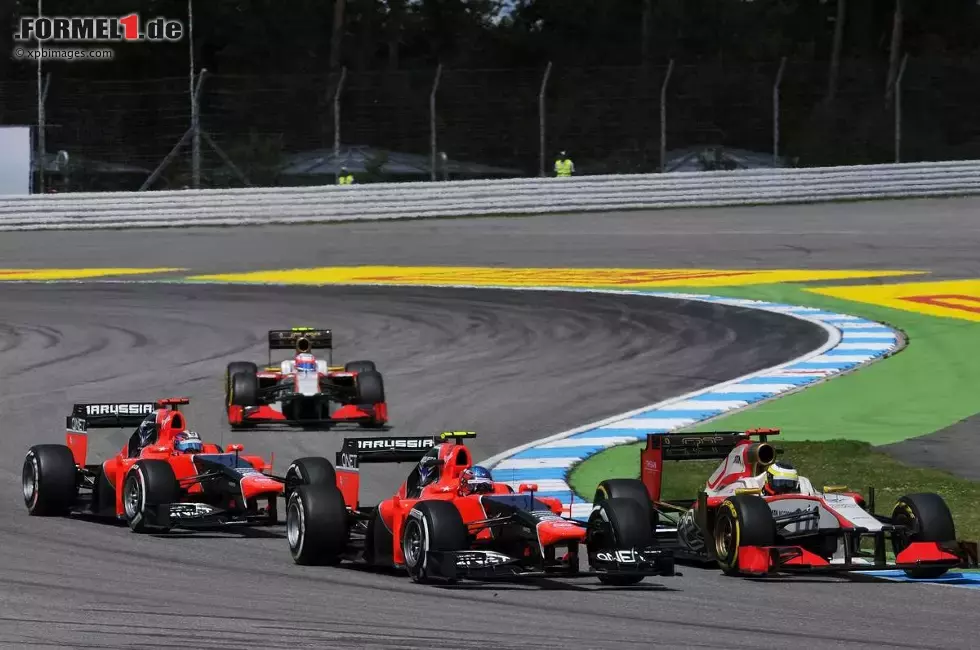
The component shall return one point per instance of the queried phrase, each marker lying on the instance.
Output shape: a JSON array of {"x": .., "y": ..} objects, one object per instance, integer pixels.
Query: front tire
[
  {"x": 626, "y": 488},
  {"x": 370, "y": 388},
  {"x": 49, "y": 480},
  {"x": 616, "y": 524},
  {"x": 316, "y": 525},
  {"x": 244, "y": 389},
  {"x": 742, "y": 520},
  {"x": 926, "y": 518},
  {"x": 360, "y": 366},
  {"x": 431, "y": 526},
  {"x": 149, "y": 484},
  {"x": 235, "y": 367}
]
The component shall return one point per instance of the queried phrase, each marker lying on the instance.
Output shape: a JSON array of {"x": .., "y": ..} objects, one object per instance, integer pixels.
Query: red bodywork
[
  {"x": 169, "y": 422},
  {"x": 454, "y": 458},
  {"x": 736, "y": 451}
]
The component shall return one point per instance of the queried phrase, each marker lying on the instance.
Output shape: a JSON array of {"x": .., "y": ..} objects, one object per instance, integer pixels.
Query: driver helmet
[
  {"x": 147, "y": 430},
  {"x": 429, "y": 466},
  {"x": 475, "y": 480},
  {"x": 782, "y": 478},
  {"x": 305, "y": 362},
  {"x": 188, "y": 442}
]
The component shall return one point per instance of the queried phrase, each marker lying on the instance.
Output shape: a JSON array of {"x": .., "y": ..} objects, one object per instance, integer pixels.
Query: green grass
[
  {"x": 835, "y": 462},
  {"x": 930, "y": 385}
]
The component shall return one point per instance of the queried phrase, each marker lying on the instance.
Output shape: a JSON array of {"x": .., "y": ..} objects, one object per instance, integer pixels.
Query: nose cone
[
  {"x": 257, "y": 484},
  {"x": 559, "y": 531}
]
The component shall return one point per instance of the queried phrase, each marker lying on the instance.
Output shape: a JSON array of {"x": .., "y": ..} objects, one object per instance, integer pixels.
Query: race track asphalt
[{"x": 512, "y": 366}]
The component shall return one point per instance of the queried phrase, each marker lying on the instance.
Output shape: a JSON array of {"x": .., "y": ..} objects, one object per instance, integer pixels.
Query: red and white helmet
[{"x": 304, "y": 362}]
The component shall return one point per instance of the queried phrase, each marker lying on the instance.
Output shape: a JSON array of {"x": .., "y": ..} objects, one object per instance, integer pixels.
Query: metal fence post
[
  {"x": 336, "y": 114},
  {"x": 195, "y": 107},
  {"x": 663, "y": 117},
  {"x": 898, "y": 109},
  {"x": 775, "y": 111},
  {"x": 41, "y": 92},
  {"x": 196, "y": 130},
  {"x": 432, "y": 118},
  {"x": 541, "y": 118}
]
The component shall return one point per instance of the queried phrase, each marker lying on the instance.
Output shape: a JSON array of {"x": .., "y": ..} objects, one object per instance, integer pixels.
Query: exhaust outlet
[{"x": 761, "y": 453}]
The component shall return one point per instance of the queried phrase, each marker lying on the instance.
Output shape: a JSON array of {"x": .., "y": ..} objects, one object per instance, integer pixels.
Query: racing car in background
[
  {"x": 749, "y": 530},
  {"x": 435, "y": 529},
  {"x": 164, "y": 477},
  {"x": 303, "y": 389}
]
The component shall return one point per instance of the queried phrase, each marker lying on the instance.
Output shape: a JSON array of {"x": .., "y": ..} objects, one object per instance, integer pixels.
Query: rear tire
[
  {"x": 431, "y": 526},
  {"x": 316, "y": 525},
  {"x": 928, "y": 519},
  {"x": 148, "y": 484},
  {"x": 49, "y": 480},
  {"x": 244, "y": 389},
  {"x": 618, "y": 523},
  {"x": 742, "y": 520}
]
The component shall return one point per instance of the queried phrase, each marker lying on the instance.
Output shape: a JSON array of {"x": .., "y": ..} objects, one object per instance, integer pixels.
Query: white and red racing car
[
  {"x": 304, "y": 390},
  {"x": 756, "y": 516}
]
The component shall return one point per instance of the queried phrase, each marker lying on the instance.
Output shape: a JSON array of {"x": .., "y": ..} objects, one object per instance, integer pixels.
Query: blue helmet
[
  {"x": 475, "y": 480},
  {"x": 188, "y": 442}
]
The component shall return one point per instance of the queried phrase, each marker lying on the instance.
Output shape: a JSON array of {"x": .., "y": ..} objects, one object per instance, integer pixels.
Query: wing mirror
[
  {"x": 236, "y": 448},
  {"x": 527, "y": 487}
]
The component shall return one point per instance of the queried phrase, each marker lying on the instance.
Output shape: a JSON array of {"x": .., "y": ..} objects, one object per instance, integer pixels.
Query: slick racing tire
[
  {"x": 244, "y": 389},
  {"x": 312, "y": 470},
  {"x": 626, "y": 488},
  {"x": 235, "y": 367},
  {"x": 742, "y": 520},
  {"x": 926, "y": 518},
  {"x": 370, "y": 387},
  {"x": 360, "y": 366},
  {"x": 316, "y": 525},
  {"x": 617, "y": 524},
  {"x": 148, "y": 484},
  {"x": 431, "y": 526},
  {"x": 49, "y": 480}
]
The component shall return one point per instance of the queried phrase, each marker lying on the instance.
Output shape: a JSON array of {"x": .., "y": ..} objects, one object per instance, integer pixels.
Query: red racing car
[
  {"x": 304, "y": 390},
  {"x": 164, "y": 477},
  {"x": 757, "y": 516},
  {"x": 451, "y": 521}
]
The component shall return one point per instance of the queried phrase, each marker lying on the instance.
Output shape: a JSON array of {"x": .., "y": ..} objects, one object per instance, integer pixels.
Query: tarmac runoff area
[{"x": 451, "y": 358}]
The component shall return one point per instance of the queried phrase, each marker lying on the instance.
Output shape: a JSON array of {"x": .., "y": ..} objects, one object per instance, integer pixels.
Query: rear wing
[
  {"x": 301, "y": 339},
  {"x": 713, "y": 445},
  {"x": 399, "y": 449},
  {"x": 110, "y": 415}
]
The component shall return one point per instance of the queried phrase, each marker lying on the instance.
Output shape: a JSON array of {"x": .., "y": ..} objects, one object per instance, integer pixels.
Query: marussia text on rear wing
[
  {"x": 403, "y": 449},
  {"x": 108, "y": 415}
]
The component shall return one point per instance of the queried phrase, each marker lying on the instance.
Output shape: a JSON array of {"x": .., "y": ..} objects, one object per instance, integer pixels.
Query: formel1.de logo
[{"x": 97, "y": 29}]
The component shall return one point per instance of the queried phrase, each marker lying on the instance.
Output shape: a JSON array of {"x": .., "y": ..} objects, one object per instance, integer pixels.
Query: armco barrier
[{"x": 282, "y": 205}]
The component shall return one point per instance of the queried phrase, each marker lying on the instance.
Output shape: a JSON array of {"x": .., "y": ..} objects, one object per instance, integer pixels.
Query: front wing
[
  {"x": 486, "y": 566},
  {"x": 201, "y": 515},
  {"x": 767, "y": 560},
  {"x": 376, "y": 414}
]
